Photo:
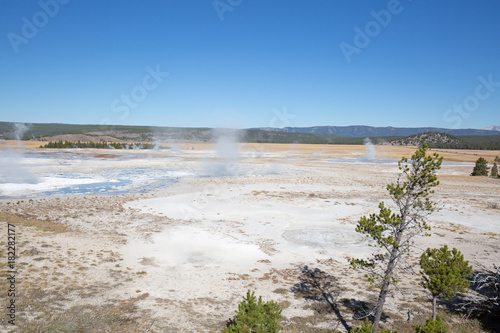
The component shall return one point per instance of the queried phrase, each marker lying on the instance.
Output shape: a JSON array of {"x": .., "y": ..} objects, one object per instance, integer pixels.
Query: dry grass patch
[
  {"x": 453, "y": 321},
  {"x": 121, "y": 316},
  {"x": 23, "y": 221}
]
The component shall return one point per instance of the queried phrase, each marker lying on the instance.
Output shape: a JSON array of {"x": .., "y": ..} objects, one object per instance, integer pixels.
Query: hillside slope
[
  {"x": 445, "y": 140},
  {"x": 370, "y": 131}
]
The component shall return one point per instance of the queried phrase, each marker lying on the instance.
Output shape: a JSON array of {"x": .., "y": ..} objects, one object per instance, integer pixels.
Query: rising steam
[
  {"x": 370, "y": 150},
  {"x": 11, "y": 170},
  {"x": 227, "y": 155},
  {"x": 20, "y": 129}
]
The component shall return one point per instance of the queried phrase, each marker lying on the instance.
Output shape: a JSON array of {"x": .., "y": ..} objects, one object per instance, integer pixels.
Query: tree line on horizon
[
  {"x": 100, "y": 145},
  {"x": 434, "y": 139}
]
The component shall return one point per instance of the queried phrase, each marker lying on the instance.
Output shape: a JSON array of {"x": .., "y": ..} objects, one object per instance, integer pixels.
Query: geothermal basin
[{"x": 186, "y": 232}]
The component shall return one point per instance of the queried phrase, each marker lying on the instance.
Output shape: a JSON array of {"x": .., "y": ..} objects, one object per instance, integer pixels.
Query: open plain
[{"x": 170, "y": 240}]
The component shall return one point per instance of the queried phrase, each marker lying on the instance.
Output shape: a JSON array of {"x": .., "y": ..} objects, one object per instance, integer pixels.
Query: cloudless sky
[{"x": 251, "y": 63}]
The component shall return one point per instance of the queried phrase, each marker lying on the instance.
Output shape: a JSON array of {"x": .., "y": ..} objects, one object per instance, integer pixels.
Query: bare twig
[
  {"x": 486, "y": 284},
  {"x": 150, "y": 326}
]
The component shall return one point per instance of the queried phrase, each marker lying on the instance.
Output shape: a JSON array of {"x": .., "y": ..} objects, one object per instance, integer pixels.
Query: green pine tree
[
  {"x": 432, "y": 326},
  {"x": 445, "y": 273},
  {"x": 481, "y": 168},
  {"x": 394, "y": 233},
  {"x": 494, "y": 171},
  {"x": 255, "y": 316}
]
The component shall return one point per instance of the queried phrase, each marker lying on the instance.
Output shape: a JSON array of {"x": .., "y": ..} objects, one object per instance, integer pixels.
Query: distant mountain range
[
  {"x": 492, "y": 128},
  {"x": 344, "y": 135},
  {"x": 316, "y": 134},
  {"x": 370, "y": 131}
]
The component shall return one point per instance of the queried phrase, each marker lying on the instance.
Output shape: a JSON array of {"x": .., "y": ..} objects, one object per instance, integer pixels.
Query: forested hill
[
  {"x": 39, "y": 129},
  {"x": 445, "y": 140},
  {"x": 130, "y": 134},
  {"x": 370, "y": 131}
]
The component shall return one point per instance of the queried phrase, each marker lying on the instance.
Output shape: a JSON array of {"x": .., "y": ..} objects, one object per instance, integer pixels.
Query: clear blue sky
[{"x": 89, "y": 62}]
